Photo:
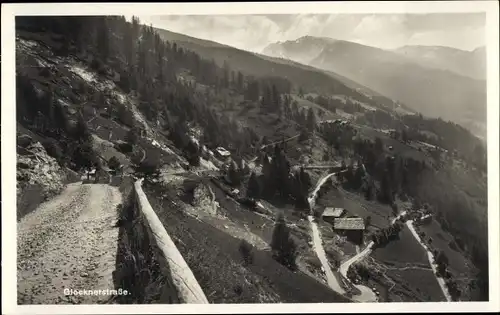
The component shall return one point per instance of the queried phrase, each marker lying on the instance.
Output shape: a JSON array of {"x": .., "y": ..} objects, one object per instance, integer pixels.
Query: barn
[
  {"x": 352, "y": 228},
  {"x": 330, "y": 214}
]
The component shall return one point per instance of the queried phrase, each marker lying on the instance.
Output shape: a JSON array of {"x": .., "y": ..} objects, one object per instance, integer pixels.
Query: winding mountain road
[
  {"x": 69, "y": 242},
  {"x": 331, "y": 279},
  {"x": 366, "y": 294}
]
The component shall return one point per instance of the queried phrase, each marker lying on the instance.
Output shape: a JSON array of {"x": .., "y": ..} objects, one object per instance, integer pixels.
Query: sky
[{"x": 388, "y": 31}]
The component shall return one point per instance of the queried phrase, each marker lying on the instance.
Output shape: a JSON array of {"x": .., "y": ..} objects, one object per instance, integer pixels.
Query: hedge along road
[{"x": 69, "y": 242}]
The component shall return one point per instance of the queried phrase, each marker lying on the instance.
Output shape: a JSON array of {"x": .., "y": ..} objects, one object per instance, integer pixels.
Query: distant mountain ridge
[
  {"x": 466, "y": 63},
  {"x": 300, "y": 74},
  {"x": 427, "y": 87}
]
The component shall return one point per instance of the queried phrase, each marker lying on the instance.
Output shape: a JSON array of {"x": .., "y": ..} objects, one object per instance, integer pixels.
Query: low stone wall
[{"x": 149, "y": 264}]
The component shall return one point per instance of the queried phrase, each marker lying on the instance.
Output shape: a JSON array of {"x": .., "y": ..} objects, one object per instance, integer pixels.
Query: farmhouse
[
  {"x": 330, "y": 214},
  {"x": 222, "y": 153},
  {"x": 352, "y": 228}
]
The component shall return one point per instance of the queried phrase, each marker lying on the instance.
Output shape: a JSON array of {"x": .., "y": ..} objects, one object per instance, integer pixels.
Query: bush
[
  {"x": 238, "y": 289},
  {"x": 314, "y": 262},
  {"x": 249, "y": 202},
  {"x": 132, "y": 137},
  {"x": 125, "y": 116},
  {"x": 147, "y": 170},
  {"x": 246, "y": 251},
  {"x": 124, "y": 147},
  {"x": 114, "y": 163},
  {"x": 98, "y": 66}
]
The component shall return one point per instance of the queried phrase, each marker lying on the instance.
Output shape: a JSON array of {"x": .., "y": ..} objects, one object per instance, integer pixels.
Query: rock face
[
  {"x": 39, "y": 176},
  {"x": 204, "y": 199}
]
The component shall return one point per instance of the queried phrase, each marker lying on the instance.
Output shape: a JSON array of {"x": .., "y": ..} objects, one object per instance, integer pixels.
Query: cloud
[{"x": 254, "y": 32}]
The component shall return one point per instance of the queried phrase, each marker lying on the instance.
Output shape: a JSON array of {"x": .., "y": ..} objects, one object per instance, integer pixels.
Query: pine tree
[
  {"x": 253, "y": 190},
  {"x": 311, "y": 120},
  {"x": 283, "y": 246},
  {"x": 379, "y": 146},
  {"x": 61, "y": 121},
  {"x": 114, "y": 163},
  {"x": 234, "y": 174},
  {"x": 81, "y": 132},
  {"x": 275, "y": 100},
  {"x": 404, "y": 136},
  {"x": 131, "y": 138},
  {"x": 240, "y": 81},
  {"x": 84, "y": 156}
]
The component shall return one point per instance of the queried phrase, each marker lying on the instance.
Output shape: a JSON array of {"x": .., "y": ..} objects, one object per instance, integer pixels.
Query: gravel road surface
[{"x": 69, "y": 242}]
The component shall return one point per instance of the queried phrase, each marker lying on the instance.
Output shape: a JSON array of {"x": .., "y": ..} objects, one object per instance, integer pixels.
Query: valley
[{"x": 242, "y": 158}]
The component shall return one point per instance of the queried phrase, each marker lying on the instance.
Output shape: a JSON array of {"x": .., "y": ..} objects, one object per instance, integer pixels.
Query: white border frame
[{"x": 8, "y": 145}]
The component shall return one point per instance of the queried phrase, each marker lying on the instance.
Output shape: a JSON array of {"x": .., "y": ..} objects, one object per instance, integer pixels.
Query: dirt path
[
  {"x": 69, "y": 242},
  {"x": 430, "y": 256},
  {"x": 331, "y": 279},
  {"x": 279, "y": 141},
  {"x": 312, "y": 197},
  {"x": 143, "y": 155},
  {"x": 367, "y": 295}
]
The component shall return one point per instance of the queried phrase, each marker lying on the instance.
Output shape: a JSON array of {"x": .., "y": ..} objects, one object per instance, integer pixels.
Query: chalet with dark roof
[{"x": 352, "y": 228}]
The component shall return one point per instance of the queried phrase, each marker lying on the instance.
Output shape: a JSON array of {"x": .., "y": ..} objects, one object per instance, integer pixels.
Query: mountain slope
[
  {"x": 110, "y": 101},
  {"x": 433, "y": 92},
  {"x": 300, "y": 75},
  {"x": 115, "y": 78},
  {"x": 303, "y": 49},
  {"x": 466, "y": 63}
]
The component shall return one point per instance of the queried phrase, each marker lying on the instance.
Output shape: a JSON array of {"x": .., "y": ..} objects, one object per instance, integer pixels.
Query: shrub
[
  {"x": 238, "y": 289},
  {"x": 114, "y": 163},
  {"x": 132, "y": 137},
  {"x": 98, "y": 66},
  {"x": 147, "y": 170},
  {"x": 124, "y": 147},
  {"x": 246, "y": 251},
  {"x": 249, "y": 202}
]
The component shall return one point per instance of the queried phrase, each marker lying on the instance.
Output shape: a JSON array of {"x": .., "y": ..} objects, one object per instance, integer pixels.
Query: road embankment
[{"x": 148, "y": 262}]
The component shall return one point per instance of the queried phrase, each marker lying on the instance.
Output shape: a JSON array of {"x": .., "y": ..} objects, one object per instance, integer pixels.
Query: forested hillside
[{"x": 151, "y": 88}]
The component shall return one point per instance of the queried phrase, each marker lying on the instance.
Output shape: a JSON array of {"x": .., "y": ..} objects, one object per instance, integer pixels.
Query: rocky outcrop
[
  {"x": 204, "y": 198},
  {"x": 39, "y": 176}
]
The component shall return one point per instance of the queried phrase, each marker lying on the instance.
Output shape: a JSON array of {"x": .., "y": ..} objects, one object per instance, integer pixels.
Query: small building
[
  {"x": 90, "y": 174},
  {"x": 222, "y": 153},
  {"x": 330, "y": 214},
  {"x": 352, "y": 228},
  {"x": 424, "y": 219}
]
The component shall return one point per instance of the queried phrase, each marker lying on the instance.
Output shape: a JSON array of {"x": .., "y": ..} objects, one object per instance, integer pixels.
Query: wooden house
[{"x": 352, "y": 228}]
